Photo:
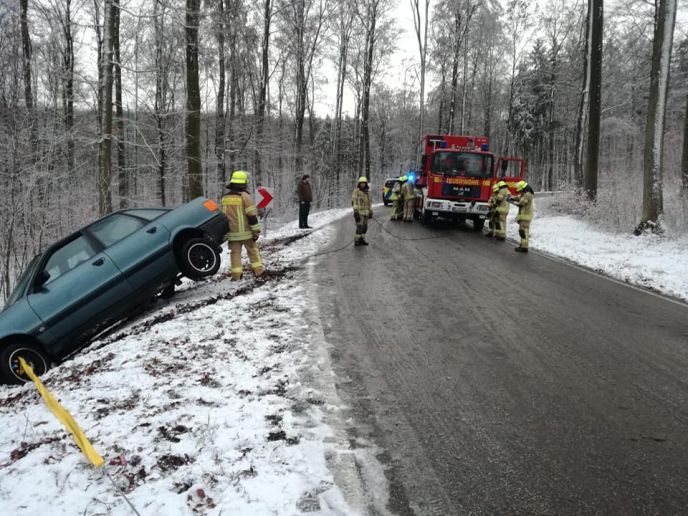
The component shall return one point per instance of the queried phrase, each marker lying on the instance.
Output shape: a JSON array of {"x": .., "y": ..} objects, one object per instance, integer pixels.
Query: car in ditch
[{"x": 99, "y": 274}]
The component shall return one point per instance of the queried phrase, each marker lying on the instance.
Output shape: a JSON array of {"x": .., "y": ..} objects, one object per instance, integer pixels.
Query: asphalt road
[{"x": 498, "y": 383}]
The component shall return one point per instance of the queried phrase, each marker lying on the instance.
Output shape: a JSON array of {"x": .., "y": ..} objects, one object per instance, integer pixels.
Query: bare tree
[
  {"x": 420, "y": 24},
  {"x": 220, "y": 102},
  {"x": 263, "y": 88},
  {"x": 596, "y": 20},
  {"x": 105, "y": 154},
  {"x": 26, "y": 66},
  {"x": 665, "y": 19},
  {"x": 194, "y": 164}
]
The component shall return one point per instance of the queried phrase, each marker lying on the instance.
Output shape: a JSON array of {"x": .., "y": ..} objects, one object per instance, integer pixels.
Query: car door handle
[
  {"x": 152, "y": 230},
  {"x": 99, "y": 262}
]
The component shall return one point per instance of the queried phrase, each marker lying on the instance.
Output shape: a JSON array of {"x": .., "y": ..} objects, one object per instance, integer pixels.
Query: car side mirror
[{"x": 41, "y": 279}]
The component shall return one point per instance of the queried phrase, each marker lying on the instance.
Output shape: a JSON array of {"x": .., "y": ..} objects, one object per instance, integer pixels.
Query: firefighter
[
  {"x": 244, "y": 227},
  {"x": 524, "y": 201},
  {"x": 409, "y": 194},
  {"x": 363, "y": 209},
  {"x": 501, "y": 209},
  {"x": 492, "y": 212},
  {"x": 398, "y": 206}
]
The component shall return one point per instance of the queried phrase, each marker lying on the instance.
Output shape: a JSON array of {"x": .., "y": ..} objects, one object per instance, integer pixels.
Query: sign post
[{"x": 264, "y": 197}]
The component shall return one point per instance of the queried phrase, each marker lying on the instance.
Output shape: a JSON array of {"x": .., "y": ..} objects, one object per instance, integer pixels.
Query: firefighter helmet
[
  {"x": 403, "y": 178},
  {"x": 521, "y": 185},
  {"x": 495, "y": 187},
  {"x": 502, "y": 184},
  {"x": 239, "y": 177},
  {"x": 362, "y": 179}
]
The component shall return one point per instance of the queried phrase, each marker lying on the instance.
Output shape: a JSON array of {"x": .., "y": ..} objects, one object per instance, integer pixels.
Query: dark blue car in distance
[{"x": 97, "y": 275}]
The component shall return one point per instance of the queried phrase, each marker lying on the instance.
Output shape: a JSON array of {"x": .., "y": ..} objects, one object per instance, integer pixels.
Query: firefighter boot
[{"x": 521, "y": 249}]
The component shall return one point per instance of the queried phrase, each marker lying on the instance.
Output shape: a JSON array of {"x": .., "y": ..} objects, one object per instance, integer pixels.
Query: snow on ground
[
  {"x": 199, "y": 407},
  {"x": 656, "y": 262}
]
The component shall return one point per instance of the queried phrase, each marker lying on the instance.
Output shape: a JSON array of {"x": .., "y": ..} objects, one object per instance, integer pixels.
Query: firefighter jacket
[
  {"x": 242, "y": 214},
  {"x": 501, "y": 202},
  {"x": 525, "y": 207},
  {"x": 492, "y": 201},
  {"x": 407, "y": 191},
  {"x": 360, "y": 201}
]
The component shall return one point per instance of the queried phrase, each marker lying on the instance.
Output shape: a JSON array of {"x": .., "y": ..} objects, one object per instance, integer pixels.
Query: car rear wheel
[
  {"x": 10, "y": 369},
  {"x": 199, "y": 258}
]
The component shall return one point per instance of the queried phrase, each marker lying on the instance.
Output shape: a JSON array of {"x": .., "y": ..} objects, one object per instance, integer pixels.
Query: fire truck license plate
[{"x": 460, "y": 209}]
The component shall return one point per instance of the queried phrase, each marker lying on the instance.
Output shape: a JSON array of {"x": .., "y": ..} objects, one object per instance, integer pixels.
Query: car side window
[
  {"x": 115, "y": 228},
  {"x": 69, "y": 256}
]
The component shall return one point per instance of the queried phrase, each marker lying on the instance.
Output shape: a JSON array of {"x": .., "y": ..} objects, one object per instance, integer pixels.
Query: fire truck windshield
[{"x": 465, "y": 164}]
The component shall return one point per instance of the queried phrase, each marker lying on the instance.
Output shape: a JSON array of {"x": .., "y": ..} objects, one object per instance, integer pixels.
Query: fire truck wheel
[
  {"x": 426, "y": 218},
  {"x": 478, "y": 224}
]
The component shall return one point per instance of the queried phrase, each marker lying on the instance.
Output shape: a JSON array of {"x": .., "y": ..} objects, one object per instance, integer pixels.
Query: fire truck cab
[{"x": 456, "y": 178}]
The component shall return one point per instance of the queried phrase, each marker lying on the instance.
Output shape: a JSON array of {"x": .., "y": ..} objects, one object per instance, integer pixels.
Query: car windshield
[
  {"x": 465, "y": 164},
  {"x": 22, "y": 284},
  {"x": 390, "y": 183},
  {"x": 147, "y": 213}
]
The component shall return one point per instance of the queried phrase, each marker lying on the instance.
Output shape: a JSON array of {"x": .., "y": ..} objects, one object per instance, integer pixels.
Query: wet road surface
[{"x": 501, "y": 383}]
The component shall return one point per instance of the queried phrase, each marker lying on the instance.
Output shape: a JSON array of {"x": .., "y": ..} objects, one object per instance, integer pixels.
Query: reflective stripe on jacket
[
  {"x": 360, "y": 201},
  {"x": 242, "y": 214}
]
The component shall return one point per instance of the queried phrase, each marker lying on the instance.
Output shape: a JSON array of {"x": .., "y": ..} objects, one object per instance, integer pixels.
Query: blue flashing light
[
  {"x": 443, "y": 144},
  {"x": 485, "y": 147},
  {"x": 411, "y": 176}
]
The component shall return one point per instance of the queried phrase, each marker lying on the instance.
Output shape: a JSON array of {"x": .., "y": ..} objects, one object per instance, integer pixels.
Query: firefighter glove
[{"x": 255, "y": 236}]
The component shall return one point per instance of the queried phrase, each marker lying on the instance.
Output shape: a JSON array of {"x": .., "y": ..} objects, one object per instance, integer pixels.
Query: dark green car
[{"x": 97, "y": 275}]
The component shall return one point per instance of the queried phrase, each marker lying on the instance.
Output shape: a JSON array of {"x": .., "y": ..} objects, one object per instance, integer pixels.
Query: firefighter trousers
[
  {"x": 361, "y": 228},
  {"x": 398, "y": 209},
  {"x": 523, "y": 232},
  {"x": 408, "y": 210},
  {"x": 500, "y": 225},
  {"x": 253, "y": 257}
]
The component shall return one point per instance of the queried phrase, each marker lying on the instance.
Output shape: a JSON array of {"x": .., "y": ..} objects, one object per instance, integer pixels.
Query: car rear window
[{"x": 115, "y": 228}]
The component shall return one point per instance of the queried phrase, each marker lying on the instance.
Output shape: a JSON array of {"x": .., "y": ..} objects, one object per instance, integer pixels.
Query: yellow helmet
[
  {"x": 403, "y": 178},
  {"x": 502, "y": 184},
  {"x": 521, "y": 185},
  {"x": 495, "y": 187},
  {"x": 363, "y": 179},
  {"x": 239, "y": 177}
]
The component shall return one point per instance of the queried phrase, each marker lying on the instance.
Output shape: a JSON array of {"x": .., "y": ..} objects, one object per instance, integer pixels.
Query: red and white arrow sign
[{"x": 265, "y": 197}]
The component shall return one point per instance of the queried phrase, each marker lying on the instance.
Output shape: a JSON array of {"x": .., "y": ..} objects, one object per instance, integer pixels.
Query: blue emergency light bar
[{"x": 485, "y": 147}]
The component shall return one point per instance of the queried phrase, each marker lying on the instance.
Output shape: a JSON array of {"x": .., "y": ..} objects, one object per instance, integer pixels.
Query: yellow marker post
[{"x": 67, "y": 420}]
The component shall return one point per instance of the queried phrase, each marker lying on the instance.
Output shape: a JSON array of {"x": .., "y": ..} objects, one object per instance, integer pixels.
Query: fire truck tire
[
  {"x": 478, "y": 224},
  {"x": 426, "y": 217}
]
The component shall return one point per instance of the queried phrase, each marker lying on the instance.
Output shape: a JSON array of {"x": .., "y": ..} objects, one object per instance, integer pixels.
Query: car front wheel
[
  {"x": 11, "y": 371},
  {"x": 199, "y": 258}
]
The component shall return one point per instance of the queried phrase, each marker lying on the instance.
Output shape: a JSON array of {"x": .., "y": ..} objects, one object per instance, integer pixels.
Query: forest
[{"x": 108, "y": 104}]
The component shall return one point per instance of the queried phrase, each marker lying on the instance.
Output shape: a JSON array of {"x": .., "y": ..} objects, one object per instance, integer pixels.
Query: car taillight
[{"x": 211, "y": 205}]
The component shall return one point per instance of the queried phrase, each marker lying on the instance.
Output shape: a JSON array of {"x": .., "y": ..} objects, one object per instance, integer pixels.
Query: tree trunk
[
  {"x": 221, "y": 173},
  {"x": 595, "y": 66},
  {"x": 421, "y": 28},
  {"x": 26, "y": 67},
  {"x": 455, "y": 71},
  {"x": 105, "y": 158},
  {"x": 581, "y": 122},
  {"x": 193, "y": 103},
  {"x": 364, "y": 149},
  {"x": 684, "y": 157},
  {"x": 160, "y": 98},
  {"x": 665, "y": 18},
  {"x": 263, "y": 88},
  {"x": 119, "y": 111},
  {"x": 68, "y": 90}
]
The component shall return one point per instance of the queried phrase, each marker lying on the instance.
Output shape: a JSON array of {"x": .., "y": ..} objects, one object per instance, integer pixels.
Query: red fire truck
[{"x": 456, "y": 178}]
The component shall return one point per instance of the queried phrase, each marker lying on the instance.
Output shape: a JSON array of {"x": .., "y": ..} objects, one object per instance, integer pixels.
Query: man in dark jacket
[{"x": 305, "y": 194}]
